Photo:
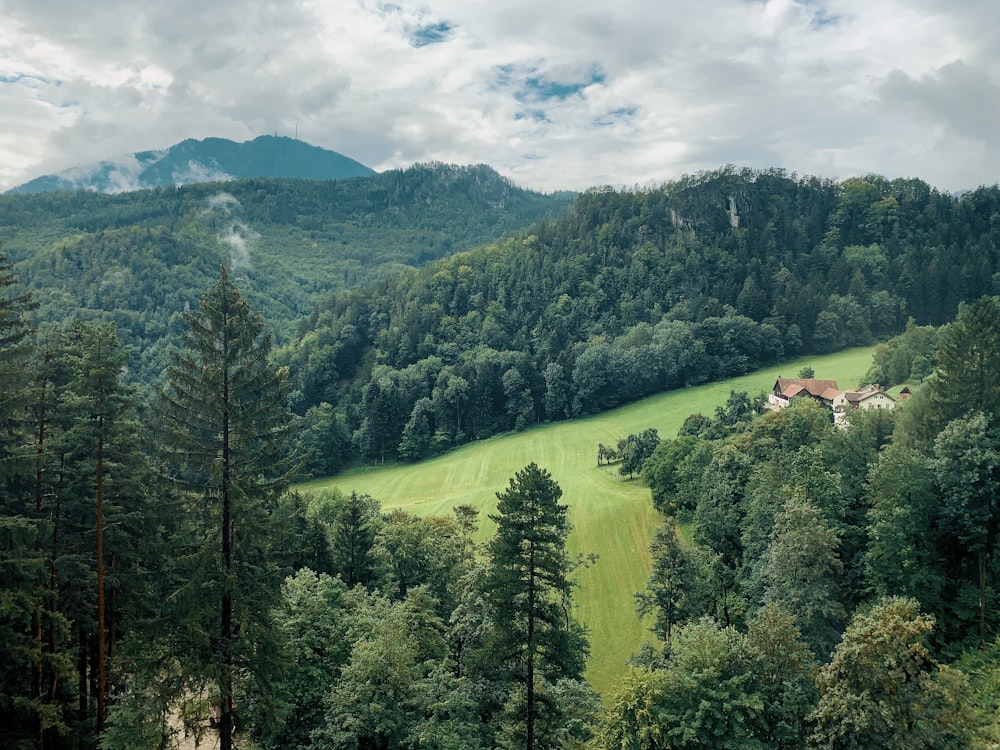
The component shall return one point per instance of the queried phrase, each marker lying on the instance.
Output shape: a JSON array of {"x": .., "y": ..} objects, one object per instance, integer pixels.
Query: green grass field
[{"x": 611, "y": 517}]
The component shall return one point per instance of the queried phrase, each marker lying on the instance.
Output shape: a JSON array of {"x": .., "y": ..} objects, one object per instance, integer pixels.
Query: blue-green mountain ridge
[{"x": 209, "y": 160}]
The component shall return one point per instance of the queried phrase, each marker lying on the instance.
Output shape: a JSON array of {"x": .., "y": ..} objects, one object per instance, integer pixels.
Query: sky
[{"x": 554, "y": 94}]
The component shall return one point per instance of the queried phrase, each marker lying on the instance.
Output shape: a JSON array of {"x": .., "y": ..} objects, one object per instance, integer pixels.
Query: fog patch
[{"x": 235, "y": 233}]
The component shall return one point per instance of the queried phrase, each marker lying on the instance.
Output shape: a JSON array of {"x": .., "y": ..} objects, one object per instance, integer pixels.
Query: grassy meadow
[{"x": 611, "y": 516}]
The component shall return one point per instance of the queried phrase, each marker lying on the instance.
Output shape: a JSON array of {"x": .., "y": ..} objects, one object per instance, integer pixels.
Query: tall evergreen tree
[
  {"x": 226, "y": 433},
  {"x": 105, "y": 469},
  {"x": 28, "y": 709},
  {"x": 968, "y": 371},
  {"x": 31, "y": 627},
  {"x": 14, "y": 349},
  {"x": 529, "y": 587}
]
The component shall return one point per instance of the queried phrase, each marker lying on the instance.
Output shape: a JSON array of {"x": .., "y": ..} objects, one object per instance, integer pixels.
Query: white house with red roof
[{"x": 827, "y": 393}]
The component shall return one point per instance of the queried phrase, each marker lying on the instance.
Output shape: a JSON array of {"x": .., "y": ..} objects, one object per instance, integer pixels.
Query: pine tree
[
  {"x": 968, "y": 371},
  {"x": 226, "y": 432},
  {"x": 14, "y": 350},
  {"x": 528, "y": 585},
  {"x": 27, "y": 709},
  {"x": 105, "y": 469}
]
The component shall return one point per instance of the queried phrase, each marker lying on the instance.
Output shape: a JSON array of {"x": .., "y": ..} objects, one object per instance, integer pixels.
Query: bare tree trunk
[
  {"x": 226, "y": 688},
  {"x": 530, "y": 687},
  {"x": 101, "y": 644}
]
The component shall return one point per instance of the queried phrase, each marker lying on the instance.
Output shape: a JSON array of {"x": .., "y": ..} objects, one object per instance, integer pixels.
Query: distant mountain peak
[{"x": 207, "y": 160}]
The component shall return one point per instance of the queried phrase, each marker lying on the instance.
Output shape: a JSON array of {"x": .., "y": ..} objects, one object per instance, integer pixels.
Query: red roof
[{"x": 816, "y": 388}]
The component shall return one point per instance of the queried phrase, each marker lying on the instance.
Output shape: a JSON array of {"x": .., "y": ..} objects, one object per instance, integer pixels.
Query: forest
[
  {"x": 630, "y": 293},
  {"x": 139, "y": 259},
  {"x": 811, "y": 586}
]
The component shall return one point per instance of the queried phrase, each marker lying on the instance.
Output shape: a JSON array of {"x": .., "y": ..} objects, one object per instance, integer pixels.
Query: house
[
  {"x": 869, "y": 397},
  {"x": 827, "y": 393},
  {"x": 785, "y": 389}
]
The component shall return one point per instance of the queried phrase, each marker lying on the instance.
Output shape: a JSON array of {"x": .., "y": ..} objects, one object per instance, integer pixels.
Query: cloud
[
  {"x": 963, "y": 99},
  {"x": 555, "y": 95}
]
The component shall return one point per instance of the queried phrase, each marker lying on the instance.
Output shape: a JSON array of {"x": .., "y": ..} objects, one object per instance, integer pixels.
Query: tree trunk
[
  {"x": 101, "y": 643},
  {"x": 82, "y": 658},
  {"x": 982, "y": 597},
  {"x": 36, "y": 668},
  {"x": 530, "y": 687},
  {"x": 226, "y": 688}
]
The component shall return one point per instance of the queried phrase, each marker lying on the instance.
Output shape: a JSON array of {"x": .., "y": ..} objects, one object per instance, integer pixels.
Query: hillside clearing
[{"x": 611, "y": 517}]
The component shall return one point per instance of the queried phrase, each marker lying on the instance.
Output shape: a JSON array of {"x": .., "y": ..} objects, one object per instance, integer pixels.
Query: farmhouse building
[
  {"x": 785, "y": 389},
  {"x": 827, "y": 393}
]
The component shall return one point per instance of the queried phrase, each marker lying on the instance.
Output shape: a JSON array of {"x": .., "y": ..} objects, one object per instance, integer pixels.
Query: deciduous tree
[{"x": 884, "y": 689}]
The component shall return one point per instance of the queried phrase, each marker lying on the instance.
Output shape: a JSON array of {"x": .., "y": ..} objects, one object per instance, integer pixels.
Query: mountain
[
  {"x": 209, "y": 160},
  {"x": 139, "y": 258}
]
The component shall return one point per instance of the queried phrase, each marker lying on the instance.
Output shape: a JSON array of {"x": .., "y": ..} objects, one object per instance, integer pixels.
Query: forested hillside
[
  {"x": 139, "y": 259},
  {"x": 630, "y": 293},
  {"x": 841, "y": 583},
  {"x": 811, "y": 587}
]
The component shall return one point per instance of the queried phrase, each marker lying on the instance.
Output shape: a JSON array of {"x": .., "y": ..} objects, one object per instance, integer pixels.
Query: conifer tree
[
  {"x": 968, "y": 371},
  {"x": 27, "y": 711},
  {"x": 529, "y": 588},
  {"x": 226, "y": 436},
  {"x": 106, "y": 468},
  {"x": 14, "y": 351}
]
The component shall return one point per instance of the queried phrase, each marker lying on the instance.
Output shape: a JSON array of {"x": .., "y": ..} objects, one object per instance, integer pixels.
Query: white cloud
[{"x": 555, "y": 95}]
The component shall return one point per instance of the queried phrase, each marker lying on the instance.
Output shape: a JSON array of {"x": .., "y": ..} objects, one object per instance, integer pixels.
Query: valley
[{"x": 611, "y": 517}]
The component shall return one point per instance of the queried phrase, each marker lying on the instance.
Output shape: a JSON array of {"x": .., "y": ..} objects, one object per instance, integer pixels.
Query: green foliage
[
  {"x": 367, "y": 707},
  {"x": 428, "y": 552},
  {"x": 138, "y": 258},
  {"x": 529, "y": 589},
  {"x": 226, "y": 442},
  {"x": 634, "y": 450},
  {"x": 884, "y": 689},
  {"x": 24, "y": 713},
  {"x": 967, "y": 469},
  {"x": 352, "y": 524},
  {"x": 703, "y": 698},
  {"x": 672, "y": 471},
  {"x": 801, "y": 570},
  {"x": 793, "y": 522},
  {"x": 983, "y": 669},
  {"x": 675, "y": 586},
  {"x": 967, "y": 376},
  {"x": 910, "y": 356},
  {"x": 902, "y": 556},
  {"x": 631, "y": 293},
  {"x": 784, "y": 667},
  {"x": 312, "y": 620},
  {"x": 633, "y": 718}
]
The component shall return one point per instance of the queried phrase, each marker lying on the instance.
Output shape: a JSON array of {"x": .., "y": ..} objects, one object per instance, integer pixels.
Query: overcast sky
[{"x": 555, "y": 94}]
